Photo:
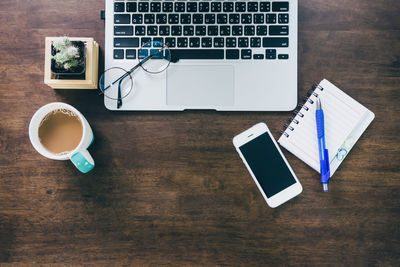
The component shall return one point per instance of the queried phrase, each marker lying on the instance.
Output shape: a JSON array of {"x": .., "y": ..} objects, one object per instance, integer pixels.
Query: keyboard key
[
  {"x": 119, "y": 7},
  {"x": 197, "y": 18},
  {"x": 170, "y": 41},
  {"x": 176, "y": 30},
  {"x": 215, "y": 6},
  {"x": 271, "y": 18},
  {"x": 130, "y": 54},
  {"x": 232, "y": 53},
  {"x": 137, "y": 19},
  {"x": 237, "y": 30},
  {"x": 143, "y": 53},
  {"x": 200, "y": 30},
  {"x": 122, "y": 19},
  {"x": 188, "y": 30},
  {"x": 249, "y": 30},
  {"x": 155, "y": 6},
  {"x": 191, "y": 6},
  {"x": 243, "y": 42},
  {"x": 258, "y": 56},
  {"x": 210, "y": 18},
  {"x": 206, "y": 42},
  {"x": 278, "y": 30},
  {"x": 161, "y": 18},
  {"x": 252, "y": 6},
  {"x": 228, "y": 6},
  {"x": 234, "y": 18},
  {"x": 156, "y": 54},
  {"x": 275, "y": 42},
  {"x": 152, "y": 30},
  {"x": 246, "y": 18},
  {"x": 194, "y": 42},
  {"x": 283, "y": 18},
  {"x": 148, "y": 18},
  {"x": 283, "y": 56},
  {"x": 168, "y": 7},
  {"x": 231, "y": 42},
  {"x": 258, "y": 18},
  {"x": 158, "y": 41},
  {"x": 255, "y": 42},
  {"x": 144, "y": 40},
  {"x": 240, "y": 6},
  {"x": 212, "y": 30},
  {"x": 177, "y": 54},
  {"x": 222, "y": 18},
  {"x": 123, "y": 30},
  {"x": 179, "y": 7},
  {"x": 143, "y": 7},
  {"x": 140, "y": 30},
  {"x": 218, "y": 42},
  {"x": 265, "y": 6},
  {"x": 246, "y": 53},
  {"x": 280, "y": 6},
  {"x": 131, "y": 7},
  {"x": 270, "y": 54},
  {"x": 173, "y": 18},
  {"x": 225, "y": 30},
  {"x": 118, "y": 53},
  {"x": 204, "y": 7},
  {"x": 262, "y": 30},
  {"x": 126, "y": 42},
  {"x": 163, "y": 30},
  {"x": 186, "y": 18},
  {"x": 182, "y": 42}
]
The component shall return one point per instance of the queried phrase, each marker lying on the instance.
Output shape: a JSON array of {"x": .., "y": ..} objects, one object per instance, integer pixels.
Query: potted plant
[{"x": 68, "y": 58}]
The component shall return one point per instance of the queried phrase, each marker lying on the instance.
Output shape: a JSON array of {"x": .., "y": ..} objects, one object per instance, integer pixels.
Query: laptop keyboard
[{"x": 234, "y": 30}]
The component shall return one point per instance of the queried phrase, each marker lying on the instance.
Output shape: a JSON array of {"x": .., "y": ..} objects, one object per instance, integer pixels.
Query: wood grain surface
[{"x": 168, "y": 187}]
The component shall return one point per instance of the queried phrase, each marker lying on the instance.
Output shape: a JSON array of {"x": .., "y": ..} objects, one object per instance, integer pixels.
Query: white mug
[{"x": 79, "y": 155}]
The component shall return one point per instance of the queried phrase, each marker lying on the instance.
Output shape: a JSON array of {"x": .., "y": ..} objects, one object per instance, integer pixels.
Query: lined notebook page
[{"x": 341, "y": 113}]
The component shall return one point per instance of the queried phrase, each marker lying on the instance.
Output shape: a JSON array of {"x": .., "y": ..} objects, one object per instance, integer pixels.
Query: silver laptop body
[{"x": 260, "y": 75}]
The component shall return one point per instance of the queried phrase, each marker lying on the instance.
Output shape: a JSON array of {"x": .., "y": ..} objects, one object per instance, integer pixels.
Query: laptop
[{"x": 233, "y": 55}]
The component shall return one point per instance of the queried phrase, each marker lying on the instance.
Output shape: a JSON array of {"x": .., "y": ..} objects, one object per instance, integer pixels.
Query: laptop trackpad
[{"x": 200, "y": 86}]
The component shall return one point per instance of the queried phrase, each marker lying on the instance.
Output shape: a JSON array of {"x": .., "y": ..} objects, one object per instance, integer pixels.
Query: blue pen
[{"x": 323, "y": 152}]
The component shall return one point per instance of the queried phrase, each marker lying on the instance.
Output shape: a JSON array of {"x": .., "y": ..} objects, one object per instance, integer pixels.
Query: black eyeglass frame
[{"x": 140, "y": 64}]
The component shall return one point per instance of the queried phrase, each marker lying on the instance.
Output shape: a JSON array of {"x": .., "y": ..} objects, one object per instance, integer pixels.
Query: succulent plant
[{"x": 67, "y": 55}]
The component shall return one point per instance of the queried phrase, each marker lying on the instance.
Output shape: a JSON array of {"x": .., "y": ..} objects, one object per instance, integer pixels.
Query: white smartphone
[{"x": 267, "y": 165}]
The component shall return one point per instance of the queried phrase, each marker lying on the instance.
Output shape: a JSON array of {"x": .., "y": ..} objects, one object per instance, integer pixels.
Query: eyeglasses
[{"x": 116, "y": 83}]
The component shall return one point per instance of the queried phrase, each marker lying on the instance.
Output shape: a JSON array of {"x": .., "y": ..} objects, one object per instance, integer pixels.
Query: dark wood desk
[{"x": 168, "y": 187}]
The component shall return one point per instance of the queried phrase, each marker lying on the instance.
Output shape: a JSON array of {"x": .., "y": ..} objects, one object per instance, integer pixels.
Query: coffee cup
[{"x": 59, "y": 131}]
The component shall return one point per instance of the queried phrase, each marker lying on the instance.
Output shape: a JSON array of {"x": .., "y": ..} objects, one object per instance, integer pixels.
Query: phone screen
[{"x": 267, "y": 164}]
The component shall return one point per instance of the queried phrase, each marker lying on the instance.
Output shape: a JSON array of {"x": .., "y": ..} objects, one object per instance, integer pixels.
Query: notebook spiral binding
[{"x": 298, "y": 111}]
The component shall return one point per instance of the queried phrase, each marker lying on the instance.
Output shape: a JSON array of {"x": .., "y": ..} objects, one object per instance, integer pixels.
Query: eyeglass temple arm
[{"x": 119, "y": 101}]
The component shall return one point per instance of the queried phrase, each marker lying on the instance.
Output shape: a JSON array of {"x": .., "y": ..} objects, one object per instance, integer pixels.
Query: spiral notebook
[{"x": 345, "y": 121}]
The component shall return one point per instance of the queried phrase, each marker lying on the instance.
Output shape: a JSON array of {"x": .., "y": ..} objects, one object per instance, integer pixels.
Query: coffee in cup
[{"x": 60, "y": 131}]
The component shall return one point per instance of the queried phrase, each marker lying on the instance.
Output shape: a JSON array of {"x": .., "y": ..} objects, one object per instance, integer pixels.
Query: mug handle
[{"x": 83, "y": 161}]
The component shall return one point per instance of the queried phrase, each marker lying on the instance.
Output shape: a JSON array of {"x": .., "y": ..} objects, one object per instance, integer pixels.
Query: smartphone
[{"x": 267, "y": 165}]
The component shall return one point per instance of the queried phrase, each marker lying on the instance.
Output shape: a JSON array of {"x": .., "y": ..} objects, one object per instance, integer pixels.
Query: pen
[{"x": 323, "y": 152}]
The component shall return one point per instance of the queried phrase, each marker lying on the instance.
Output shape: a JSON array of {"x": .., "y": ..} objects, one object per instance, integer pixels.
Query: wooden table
[{"x": 168, "y": 187}]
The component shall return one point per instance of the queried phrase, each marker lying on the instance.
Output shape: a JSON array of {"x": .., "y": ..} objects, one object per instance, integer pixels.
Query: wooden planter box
[{"x": 92, "y": 66}]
